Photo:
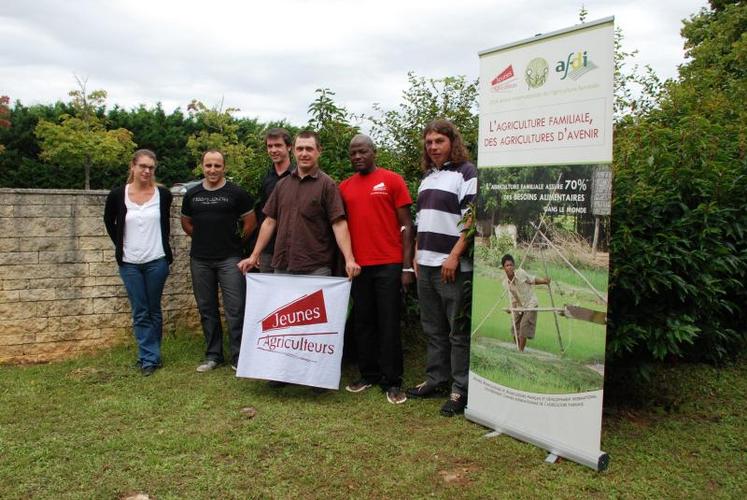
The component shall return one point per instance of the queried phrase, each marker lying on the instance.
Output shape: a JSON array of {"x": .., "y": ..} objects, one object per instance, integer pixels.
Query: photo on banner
[
  {"x": 554, "y": 222},
  {"x": 294, "y": 328},
  {"x": 539, "y": 310}
]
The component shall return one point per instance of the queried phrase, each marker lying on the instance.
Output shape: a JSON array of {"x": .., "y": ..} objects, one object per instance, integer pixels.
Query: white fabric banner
[{"x": 294, "y": 329}]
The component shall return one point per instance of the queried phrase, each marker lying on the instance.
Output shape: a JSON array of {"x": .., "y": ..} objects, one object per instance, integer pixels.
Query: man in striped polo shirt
[{"x": 448, "y": 188}]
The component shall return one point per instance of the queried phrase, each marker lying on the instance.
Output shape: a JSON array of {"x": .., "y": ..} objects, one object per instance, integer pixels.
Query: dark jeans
[
  {"x": 446, "y": 327},
  {"x": 376, "y": 313},
  {"x": 207, "y": 275},
  {"x": 144, "y": 284}
]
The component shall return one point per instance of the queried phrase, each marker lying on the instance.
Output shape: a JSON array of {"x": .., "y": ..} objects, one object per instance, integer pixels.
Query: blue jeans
[
  {"x": 207, "y": 276},
  {"x": 144, "y": 284}
]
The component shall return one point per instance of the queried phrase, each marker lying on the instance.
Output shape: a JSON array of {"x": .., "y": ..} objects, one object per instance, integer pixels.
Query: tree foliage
[
  {"x": 398, "y": 133},
  {"x": 4, "y": 115},
  {"x": 166, "y": 134},
  {"x": 81, "y": 138},
  {"x": 680, "y": 211},
  {"x": 216, "y": 128},
  {"x": 332, "y": 123}
]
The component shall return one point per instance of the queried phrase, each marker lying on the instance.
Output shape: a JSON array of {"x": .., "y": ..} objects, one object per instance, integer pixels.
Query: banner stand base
[
  {"x": 551, "y": 458},
  {"x": 598, "y": 462},
  {"x": 492, "y": 434}
]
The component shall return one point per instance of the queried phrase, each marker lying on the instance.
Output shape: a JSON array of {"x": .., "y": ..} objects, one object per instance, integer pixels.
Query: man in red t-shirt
[{"x": 377, "y": 203}]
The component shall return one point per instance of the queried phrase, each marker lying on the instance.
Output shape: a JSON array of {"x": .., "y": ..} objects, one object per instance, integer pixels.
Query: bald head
[
  {"x": 362, "y": 154},
  {"x": 363, "y": 139}
]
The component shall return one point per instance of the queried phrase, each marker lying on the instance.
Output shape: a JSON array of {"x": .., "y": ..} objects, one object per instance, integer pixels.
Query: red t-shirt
[{"x": 371, "y": 203}]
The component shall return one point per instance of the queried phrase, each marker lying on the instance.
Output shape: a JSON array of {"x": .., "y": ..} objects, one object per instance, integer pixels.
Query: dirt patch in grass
[
  {"x": 460, "y": 473},
  {"x": 90, "y": 374}
]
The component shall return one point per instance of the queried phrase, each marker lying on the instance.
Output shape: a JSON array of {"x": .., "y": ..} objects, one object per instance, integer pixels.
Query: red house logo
[
  {"x": 305, "y": 310},
  {"x": 504, "y": 75},
  {"x": 505, "y": 80}
]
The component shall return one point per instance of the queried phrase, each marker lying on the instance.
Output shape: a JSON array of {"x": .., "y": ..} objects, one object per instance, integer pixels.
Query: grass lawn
[{"x": 94, "y": 428}]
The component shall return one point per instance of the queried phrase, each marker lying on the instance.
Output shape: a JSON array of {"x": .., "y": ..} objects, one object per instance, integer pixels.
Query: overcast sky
[{"x": 268, "y": 57}]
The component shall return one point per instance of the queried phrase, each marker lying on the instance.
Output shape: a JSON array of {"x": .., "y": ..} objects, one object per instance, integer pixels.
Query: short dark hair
[
  {"x": 365, "y": 139},
  {"x": 202, "y": 159},
  {"x": 458, "y": 153},
  {"x": 506, "y": 258},
  {"x": 307, "y": 134},
  {"x": 278, "y": 133}
]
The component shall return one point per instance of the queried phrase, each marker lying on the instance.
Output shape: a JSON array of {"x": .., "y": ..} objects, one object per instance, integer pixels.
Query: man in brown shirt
[{"x": 307, "y": 212}]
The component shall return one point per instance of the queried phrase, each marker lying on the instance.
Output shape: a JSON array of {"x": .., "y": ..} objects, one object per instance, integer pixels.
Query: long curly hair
[{"x": 458, "y": 153}]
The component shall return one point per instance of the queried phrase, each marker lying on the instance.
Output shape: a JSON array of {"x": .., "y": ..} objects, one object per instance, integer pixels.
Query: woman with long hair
[{"x": 137, "y": 220}]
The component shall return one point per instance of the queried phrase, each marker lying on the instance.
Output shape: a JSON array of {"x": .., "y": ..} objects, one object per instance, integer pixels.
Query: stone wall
[{"x": 60, "y": 291}]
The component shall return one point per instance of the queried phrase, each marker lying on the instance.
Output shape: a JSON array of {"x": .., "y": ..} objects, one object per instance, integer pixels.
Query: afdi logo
[
  {"x": 305, "y": 310},
  {"x": 576, "y": 65}
]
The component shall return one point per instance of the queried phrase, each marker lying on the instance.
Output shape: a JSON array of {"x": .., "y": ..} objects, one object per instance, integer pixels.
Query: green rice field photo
[{"x": 566, "y": 354}]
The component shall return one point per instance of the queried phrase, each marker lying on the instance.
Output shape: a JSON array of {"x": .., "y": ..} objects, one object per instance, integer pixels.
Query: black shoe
[
  {"x": 425, "y": 390},
  {"x": 454, "y": 405},
  {"x": 149, "y": 370}
]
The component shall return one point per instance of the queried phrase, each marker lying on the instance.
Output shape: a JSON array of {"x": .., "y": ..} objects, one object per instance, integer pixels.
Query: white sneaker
[{"x": 207, "y": 366}]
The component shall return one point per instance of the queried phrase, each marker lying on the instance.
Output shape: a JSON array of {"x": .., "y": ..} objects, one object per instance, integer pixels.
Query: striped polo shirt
[{"x": 444, "y": 196}]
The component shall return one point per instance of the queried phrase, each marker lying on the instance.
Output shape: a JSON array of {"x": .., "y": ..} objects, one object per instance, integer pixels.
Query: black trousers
[{"x": 376, "y": 314}]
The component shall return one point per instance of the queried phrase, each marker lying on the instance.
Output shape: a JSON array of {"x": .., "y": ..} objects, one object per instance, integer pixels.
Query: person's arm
[
  {"x": 265, "y": 234},
  {"x": 110, "y": 216},
  {"x": 248, "y": 224},
  {"x": 542, "y": 281},
  {"x": 451, "y": 264},
  {"x": 415, "y": 257},
  {"x": 187, "y": 225},
  {"x": 405, "y": 223},
  {"x": 342, "y": 235}
]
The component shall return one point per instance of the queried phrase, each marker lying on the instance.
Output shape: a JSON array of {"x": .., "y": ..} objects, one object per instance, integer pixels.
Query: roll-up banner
[{"x": 539, "y": 308}]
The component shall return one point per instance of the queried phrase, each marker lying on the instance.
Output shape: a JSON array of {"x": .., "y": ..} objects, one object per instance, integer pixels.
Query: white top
[
  {"x": 521, "y": 291},
  {"x": 142, "y": 232}
]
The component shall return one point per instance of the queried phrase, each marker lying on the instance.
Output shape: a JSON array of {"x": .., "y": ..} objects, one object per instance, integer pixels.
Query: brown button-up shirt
[{"x": 304, "y": 210}]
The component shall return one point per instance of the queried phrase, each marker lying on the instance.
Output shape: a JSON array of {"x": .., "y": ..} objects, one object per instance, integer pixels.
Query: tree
[
  {"x": 679, "y": 253},
  {"x": 218, "y": 129},
  {"x": 4, "y": 115},
  {"x": 636, "y": 93},
  {"x": 165, "y": 134},
  {"x": 81, "y": 138},
  {"x": 398, "y": 133},
  {"x": 332, "y": 124}
]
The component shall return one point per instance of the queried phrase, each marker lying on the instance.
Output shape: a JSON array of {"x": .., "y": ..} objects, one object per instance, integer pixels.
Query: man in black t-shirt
[{"x": 211, "y": 213}]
